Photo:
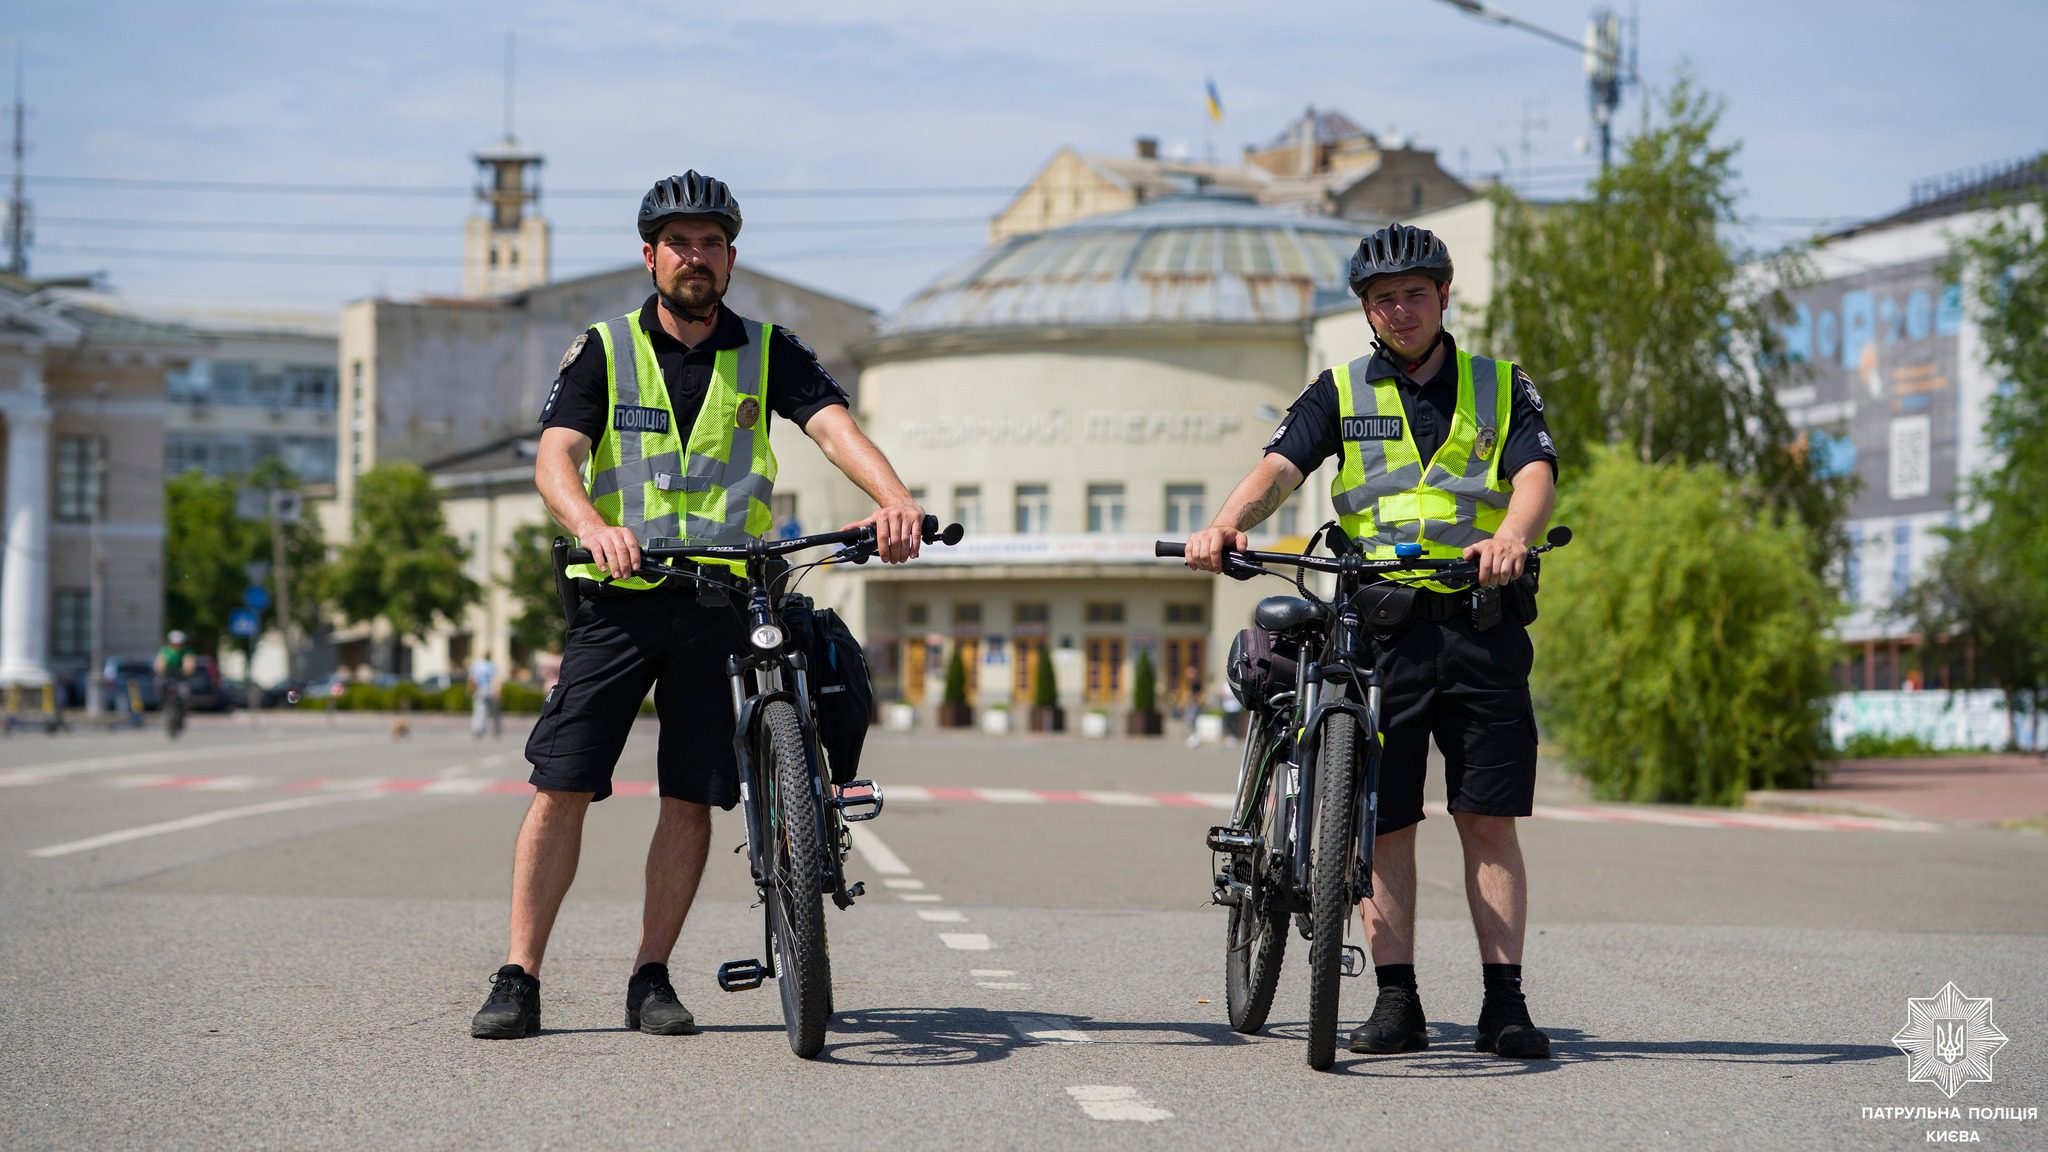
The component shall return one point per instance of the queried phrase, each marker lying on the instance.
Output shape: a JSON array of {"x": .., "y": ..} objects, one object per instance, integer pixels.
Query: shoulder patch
[
  {"x": 1529, "y": 388},
  {"x": 792, "y": 338},
  {"x": 575, "y": 350}
]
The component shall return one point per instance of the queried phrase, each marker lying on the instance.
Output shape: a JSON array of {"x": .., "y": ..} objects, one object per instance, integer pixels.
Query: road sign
[
  {"x": 242, "y": 623},
  {"x": 256, "y": 598}
]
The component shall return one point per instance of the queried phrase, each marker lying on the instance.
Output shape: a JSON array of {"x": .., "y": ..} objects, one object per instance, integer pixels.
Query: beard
[{"x": 693, "y": 300}]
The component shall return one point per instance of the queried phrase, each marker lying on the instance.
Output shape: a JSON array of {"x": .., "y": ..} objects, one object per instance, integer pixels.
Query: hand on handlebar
[
  {"x": 1205, "y": 548},
  {"x": 1501, "y": 559},
  {"x": 897, "y": 528},
  {"x": 616, "y": 550}
]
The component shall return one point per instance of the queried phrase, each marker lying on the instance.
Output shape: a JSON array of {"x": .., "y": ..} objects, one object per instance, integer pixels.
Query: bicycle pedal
[
  {"x": 1226, "y": 839},
  {"x": 845, "y": 897},
  {"x": 741, "y": 975},
  {"x": 854, "y": 809},
  {"x": 1352, "y": 961}
]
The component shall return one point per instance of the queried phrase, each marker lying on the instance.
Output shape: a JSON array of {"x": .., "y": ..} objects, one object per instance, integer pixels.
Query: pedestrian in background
[{"x": 485, "y": 698}]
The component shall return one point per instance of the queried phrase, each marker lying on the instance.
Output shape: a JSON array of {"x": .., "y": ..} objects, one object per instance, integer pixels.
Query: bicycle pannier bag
[
  {"x": 840, "y": 686},
  {"x": 1261, "y": 666}
]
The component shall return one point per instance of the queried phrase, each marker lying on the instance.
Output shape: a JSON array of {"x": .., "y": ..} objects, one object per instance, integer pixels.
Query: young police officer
[
  {"x": 1449, "y": 449},
  {"x": 670, "y": 409}
]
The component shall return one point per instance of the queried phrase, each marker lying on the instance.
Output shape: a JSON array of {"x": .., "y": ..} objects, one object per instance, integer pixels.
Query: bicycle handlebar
[
  {"x": 1248, "y": 560},
  {"x": 664, "y": 548}
]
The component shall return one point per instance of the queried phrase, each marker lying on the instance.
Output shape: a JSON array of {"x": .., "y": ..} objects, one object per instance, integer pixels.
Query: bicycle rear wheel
[
  {"x": 1331, "y": 866},
  {"x": 1257, "y": 932},
  {"x": 803, "y": 969}
]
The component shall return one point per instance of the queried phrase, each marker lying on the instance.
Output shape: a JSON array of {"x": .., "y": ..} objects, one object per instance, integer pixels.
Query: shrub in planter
[
  {"x": 953, "y": 709},
  {"x": 1144, "y": 719},
  {"x": 1046, "y": 714}
]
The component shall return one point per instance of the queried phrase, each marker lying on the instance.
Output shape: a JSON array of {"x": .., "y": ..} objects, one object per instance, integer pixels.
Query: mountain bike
[
  {"x": 1300, "y": 839},
  {"x": 797, "y": 834}
]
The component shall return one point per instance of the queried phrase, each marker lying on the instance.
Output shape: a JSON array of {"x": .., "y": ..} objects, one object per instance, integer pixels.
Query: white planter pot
[
  {"x": 995, "y": 721},
  {"x": 1094, "y": 725},
  {"x": 899, "y": 717},
  {"x": 1209, "y": 728}
]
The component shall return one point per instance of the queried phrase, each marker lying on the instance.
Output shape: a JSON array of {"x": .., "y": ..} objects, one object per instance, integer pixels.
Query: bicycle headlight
[{"x": 768, "y": 637}]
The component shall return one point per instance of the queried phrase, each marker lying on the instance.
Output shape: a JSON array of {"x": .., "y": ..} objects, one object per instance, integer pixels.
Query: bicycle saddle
[{"x": 1287, "y": 613}]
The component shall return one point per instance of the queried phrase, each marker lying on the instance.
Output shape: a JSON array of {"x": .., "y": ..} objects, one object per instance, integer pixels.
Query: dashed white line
[
  {"x": 877, "y": 854},
  {"x": 920, "y": 897},
  {"x": 230, "y": 784},
  {"x": 966, "y": 941},
  {"x": 901, "y": 883},
  {"x": 38, "y": 773},
  {"x": 1049, "y": 1030},
  {"x": 991, "y": 973},
  {"x": 942, "y": 916},
  {"x": 189, "y": 822},
  {"x": 1001, "y": 985},
  {"x": 1011, "y": 796},
  {"x": 1117, "y": 1102},
  {"x": 1122, "y": 799}
]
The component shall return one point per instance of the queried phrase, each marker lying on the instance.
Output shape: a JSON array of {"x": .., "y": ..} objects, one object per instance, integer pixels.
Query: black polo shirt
[
  {"x": 1307, "y": 435},
  {"x": 798, "y": 386}
]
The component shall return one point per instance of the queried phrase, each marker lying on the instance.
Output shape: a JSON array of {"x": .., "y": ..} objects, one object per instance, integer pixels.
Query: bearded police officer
[
  {"x": 1448, "y": 449},
  {"x": 658, "y": 427}
]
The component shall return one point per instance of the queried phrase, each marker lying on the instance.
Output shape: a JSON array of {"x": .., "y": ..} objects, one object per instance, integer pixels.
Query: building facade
[{"x": 265, "y": 388}]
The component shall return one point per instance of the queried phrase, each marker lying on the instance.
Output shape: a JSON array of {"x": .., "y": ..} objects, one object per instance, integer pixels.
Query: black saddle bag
[
  {"x": 1262, "y": 665},
  {"x": 840, "y": 688}
]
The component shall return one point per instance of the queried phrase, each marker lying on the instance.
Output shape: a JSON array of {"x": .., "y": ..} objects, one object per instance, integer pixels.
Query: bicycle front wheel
[
  {"x": 1332, "y": 865},
  {"x": 796, "y": 908},
  {"x": 1257, "y": 932}
]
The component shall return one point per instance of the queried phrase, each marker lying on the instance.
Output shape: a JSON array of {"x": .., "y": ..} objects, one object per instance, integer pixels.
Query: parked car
[
  {"x": 205, "y": 691},
  {"x": 286, "y": 693},
  {"x": 116, "y": 674}
]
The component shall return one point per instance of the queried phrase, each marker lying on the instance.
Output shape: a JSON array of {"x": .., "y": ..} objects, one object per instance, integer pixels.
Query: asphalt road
[{"x": 273, "y": 934}]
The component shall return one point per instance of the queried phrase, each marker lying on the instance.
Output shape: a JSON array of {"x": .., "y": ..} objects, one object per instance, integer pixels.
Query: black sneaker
[
  {"x": 513, "y": 1009},
  {"x": 1506, "y": 1030},
  {"x": 1396, "y": 1025},
  {"x": 651, "y": 1004}
]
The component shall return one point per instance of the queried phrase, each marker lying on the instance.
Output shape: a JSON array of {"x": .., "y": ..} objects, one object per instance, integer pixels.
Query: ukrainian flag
[{"x": 1215, "y": 103}]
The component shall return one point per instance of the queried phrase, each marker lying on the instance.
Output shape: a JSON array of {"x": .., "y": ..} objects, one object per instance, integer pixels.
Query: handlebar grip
[
  {"x": 578, "y": 556},
  {"x": 1169, "y": 548},
  {"x": 932, "y": 533}
]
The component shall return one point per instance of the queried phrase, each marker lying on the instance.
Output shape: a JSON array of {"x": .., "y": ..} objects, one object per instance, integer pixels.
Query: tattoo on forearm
[{"x": 1267, "y": 503}]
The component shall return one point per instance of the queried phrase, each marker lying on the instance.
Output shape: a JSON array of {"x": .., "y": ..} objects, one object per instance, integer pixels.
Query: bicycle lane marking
[
  {"x": 1117, "y": 1102},
  {"x": 42, "y": 773}
]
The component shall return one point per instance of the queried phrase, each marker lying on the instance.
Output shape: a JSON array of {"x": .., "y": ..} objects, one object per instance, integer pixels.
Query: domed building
[{"x": 1071, "y": 396}]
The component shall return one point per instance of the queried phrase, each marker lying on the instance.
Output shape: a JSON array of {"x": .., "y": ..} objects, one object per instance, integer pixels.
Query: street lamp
[{"x": 1605, "y": 72}]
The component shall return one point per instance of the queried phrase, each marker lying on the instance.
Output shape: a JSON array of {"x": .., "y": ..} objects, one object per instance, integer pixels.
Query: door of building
[
  {"x": 1180, "y": 655},
  {"x": 970, "y": 660},
  {"x": 913, "y": 669},
  {"x": 1105, "y": 664},
  {"x": 1024, "y": 652}
]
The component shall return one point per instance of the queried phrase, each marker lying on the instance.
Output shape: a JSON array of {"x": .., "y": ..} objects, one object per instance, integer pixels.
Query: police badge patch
[
  {"x": 1487, "y": 439},
  {"x": 575, "y": 349},
  {"x": 750, "y": 411},
  {"x": 1529, "y": 387}
]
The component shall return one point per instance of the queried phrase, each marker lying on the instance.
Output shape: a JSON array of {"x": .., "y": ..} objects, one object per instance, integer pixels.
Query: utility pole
[
  {"x": 1606, "y": 72},
  {"x": 284, "y": 506},
  {"x": 94, "y": 699},
  {"x": 17, "y": 202}
]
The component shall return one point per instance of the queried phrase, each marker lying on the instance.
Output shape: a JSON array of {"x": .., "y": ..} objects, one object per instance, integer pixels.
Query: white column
[{"x": 25, "y": 568}]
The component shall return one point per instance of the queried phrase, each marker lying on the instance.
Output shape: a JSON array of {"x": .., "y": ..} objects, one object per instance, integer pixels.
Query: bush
[
  {"x": 956, "y": 680},
  {"x": 1144, "y": 689},
  {"x": 1875, "y": 745},
  {"x": 454, "y": 698},
  {"x": 517, "y": 697},
  {"x": 1684, "y": 637},
  {"x": 1047, "y": 692}
]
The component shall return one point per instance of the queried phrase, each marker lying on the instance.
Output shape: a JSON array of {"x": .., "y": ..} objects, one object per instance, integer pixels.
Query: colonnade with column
[{"x": 25, "y": 532}]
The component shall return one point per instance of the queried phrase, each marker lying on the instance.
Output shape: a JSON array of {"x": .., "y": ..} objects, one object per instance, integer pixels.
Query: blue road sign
[
  {"x": 257, "y": 598},
  {"x": 242, "y": 623}
]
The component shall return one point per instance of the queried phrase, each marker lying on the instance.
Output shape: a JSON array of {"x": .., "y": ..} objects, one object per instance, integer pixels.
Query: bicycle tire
[
  {"x": 803, "y": 967},
  {"x": 1255, "y": 940},
  {"x": 174, "y": 717},
  {"x": 1331, "y": 866}
]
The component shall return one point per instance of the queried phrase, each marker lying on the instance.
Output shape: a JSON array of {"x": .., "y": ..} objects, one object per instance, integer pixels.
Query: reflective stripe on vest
[
  {"x": 717, "y": 489},
  {"x": 1383, "y": 494}
]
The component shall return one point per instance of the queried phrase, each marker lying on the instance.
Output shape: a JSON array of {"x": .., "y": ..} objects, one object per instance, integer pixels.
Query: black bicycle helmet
[
  {"x": 1399, "y": 248},
  {"x": 691, "y": 194}
]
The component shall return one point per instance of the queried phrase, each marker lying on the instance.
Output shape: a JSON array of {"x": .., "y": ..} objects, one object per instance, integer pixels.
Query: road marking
[
  {"x": 920, "y": 897},
  {"x": 40, "y": 773},
  {"x": 1049, "y": 1030},
  {"x": 990, "y": 973},
  {"x": 229, "y": 784},
  {"x": 145, "y": 780},
  {"x": 899, "y": 883},
  {"x": 876, "y": 853},
  {"x": 1011, "y": 796},
  {"x": 187, "y": 823},
  {"x": 1117, "y": 1102},
  {"x": 1121, "y": 799},
  {"x": 966, "y": 941},
  {"x": 1001, "y": 985},
  {"x": 942, "y": 916}
]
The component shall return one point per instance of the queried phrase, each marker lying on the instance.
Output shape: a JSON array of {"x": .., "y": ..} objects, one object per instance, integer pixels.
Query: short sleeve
[
  {"x": 798, "y": 386},
  {"x": 1528, "y": 434},
  {"x": 1307, "y": 435},
  {"x": 577, "y": 399}
]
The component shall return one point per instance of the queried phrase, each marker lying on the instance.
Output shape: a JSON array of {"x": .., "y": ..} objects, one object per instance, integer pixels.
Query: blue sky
[{"x": 1839, "y": 108}]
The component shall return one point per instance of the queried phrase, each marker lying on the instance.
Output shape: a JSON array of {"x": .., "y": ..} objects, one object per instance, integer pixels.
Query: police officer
[
  {"x": 1443, "y": 447},
  {"x": 658, "y": 427}
]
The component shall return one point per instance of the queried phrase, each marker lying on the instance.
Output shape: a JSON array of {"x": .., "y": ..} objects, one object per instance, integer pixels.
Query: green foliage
[
  {"x": 521, "y": 697},
  {"x": 956, "y": 680},
  {"x": 1684, "y": 649},
  {"x": 1046, "y": 691},
  {"x": 205, "y": 551},
  {"x": 1988, "y": 590},
  {"x": 1144, "y": 684},
  {"x": 401, "y": 564},
  {"x": 1642, "y": 326},
  {"x": 530, "y": 581},
  {"x": 1872, "y": 745}
]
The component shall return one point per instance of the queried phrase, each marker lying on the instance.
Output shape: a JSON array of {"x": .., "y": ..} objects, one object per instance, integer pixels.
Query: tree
[
  {"x": 1988, "y": 591},
  {"x": 1045, "y": 690},
  {"x": 1144, "y": 685},
  {"x": 206, "y": 550},
  {"x": 305, "y": 552},
  {"x": 530, "y": 580},
  {"x": 1682, "y": 666},
  {"x": 1641, "y": 325},
  {"x": 401, "y": 565},
  {"x": 955, "y": 694}
]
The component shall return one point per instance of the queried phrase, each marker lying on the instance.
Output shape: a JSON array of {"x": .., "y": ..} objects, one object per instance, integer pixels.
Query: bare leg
[
  {"x": 1390, "y": 914},
  {"x": 1496, "y": 885},
  {"x": 543, "y": 865},
  {"x": 675, "y": 864}
]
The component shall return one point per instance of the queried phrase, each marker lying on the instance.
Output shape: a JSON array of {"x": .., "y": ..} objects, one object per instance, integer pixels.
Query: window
[
  {"x": 1105, "y": 612},
  {"x": 966, "y": 619},
  {"x": 1105, "y": 507},
  {"x": 1193, "y": 612},
  {"x": 782, "y": 506},
  {"x": 1184, "y": 508},
  {"x": 917, "y": 495},
  {"x": 967, "y": 507},
  {"x": 1032, "y": 619},
  {"x": 73, "y": 625},
  {"x": 78, "y": 478},
  {"x": 1034, "y": 508},
  {"x": 916, "y": 615},
  {"x": 1288, "y": 522}
]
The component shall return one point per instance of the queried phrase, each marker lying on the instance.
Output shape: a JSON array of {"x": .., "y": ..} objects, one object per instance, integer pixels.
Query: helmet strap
[{"x": 1401, "y": 362}]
